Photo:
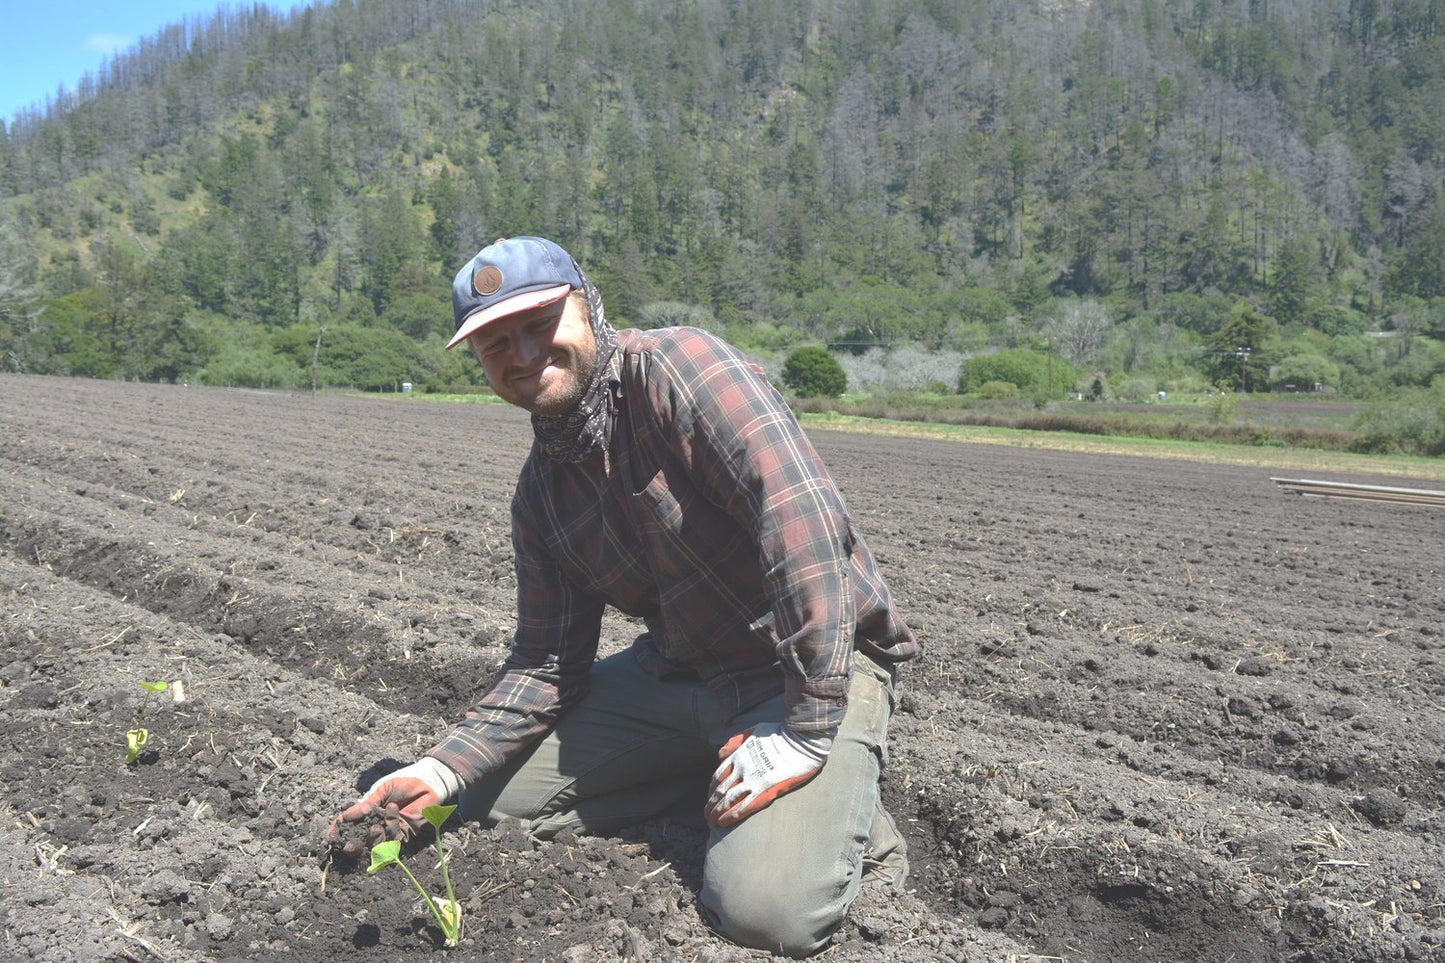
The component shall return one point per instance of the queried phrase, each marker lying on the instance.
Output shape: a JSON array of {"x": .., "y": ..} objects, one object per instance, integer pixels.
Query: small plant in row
[
  {"x": 135, "y": 739},
  {"x": 446, "y": 909}
]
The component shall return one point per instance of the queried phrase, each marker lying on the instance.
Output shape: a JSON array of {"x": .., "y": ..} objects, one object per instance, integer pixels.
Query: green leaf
[
  {"x": 135, "y": 741},
  {"x": 384, "y": 854},
  {"x": 153, "y": 686},
  {"x": 436, "y": 815}
]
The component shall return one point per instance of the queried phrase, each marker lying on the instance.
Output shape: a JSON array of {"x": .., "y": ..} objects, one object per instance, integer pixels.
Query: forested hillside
[{"x": 1158, "y": 194}]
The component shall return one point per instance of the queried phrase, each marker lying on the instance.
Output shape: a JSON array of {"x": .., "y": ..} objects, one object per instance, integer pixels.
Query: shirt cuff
[
  {"x": 813, "y": 712},
  {"x": 441, "y": 778},
  {"x": 467, "y": 758}
]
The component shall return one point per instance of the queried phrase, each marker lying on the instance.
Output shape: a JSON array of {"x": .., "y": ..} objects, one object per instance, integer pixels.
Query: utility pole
[
  {"x": 1242, "y": 353},
  {"x": 315, "y": 354},
  {"x": 1048, "y": 353}
]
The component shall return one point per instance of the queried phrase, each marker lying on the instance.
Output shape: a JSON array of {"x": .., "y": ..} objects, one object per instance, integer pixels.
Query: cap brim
[{"x": 517, "y": 303}]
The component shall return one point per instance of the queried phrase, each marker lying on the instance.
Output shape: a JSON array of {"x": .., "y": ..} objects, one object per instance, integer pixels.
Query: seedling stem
[
  {"x": 135, "y": 739},
  {"x": 448, "y": 911}
]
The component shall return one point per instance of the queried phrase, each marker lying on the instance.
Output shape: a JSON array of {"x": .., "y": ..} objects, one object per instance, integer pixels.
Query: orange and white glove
[
  {"x": 760, "y": 765},
  {"x": 395, "y": 801}
]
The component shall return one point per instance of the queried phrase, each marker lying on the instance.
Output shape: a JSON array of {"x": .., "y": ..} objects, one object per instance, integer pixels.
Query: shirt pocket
[
  {"x": 659, "y": 511},
  {"x": 692, "y": 545}
]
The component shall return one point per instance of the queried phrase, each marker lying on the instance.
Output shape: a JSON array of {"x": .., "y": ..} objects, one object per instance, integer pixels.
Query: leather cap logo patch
[{"x": 487, "y": 281}]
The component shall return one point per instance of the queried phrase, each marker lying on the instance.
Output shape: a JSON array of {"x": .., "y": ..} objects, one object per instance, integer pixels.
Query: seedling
[
  {"x": 135, "y": 739},
  {"x": 447, "y": 910}
]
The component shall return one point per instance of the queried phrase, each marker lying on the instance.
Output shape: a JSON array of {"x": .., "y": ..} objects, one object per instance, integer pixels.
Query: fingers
[
  {"x": 724, "y": 793},
  {"x": 732, "y": 745},
  {"x": 739, "y": 804},
  {"x": 731, "y": 807},
  {"x": 334, "y": 834},
  {"x": 725, "y": 766},
  {"x": 406, "y": 796},
  {"x": 723, "y": 773},
  {"x": 393, "y": 823},
  {"x": 723, "y": 818},
  {"x": 390, "y": 810},
  {"x": 727, "y": 810},
  {"x": 356, "y": 812},
  {"x": 342, "y": 834},
  {"x": 727, "y": 782},
  {"x": 363, "y": 826},
  {"x": 347, "y": 837},
  {"x": 726, "y": 796}
]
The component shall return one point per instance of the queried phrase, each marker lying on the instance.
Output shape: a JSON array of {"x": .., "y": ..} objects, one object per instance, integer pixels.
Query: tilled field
[{"x": 1164, "y": 712}]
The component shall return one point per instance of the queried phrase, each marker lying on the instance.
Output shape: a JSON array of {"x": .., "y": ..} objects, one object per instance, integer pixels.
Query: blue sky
[{"x": 46, "y": 43}]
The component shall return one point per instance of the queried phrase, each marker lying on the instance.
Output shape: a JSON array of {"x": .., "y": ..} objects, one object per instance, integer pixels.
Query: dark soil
[{"x": 1165, "y": 711}]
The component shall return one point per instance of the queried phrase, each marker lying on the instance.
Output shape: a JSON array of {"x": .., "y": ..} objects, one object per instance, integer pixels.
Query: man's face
[{"x": 541, "y": 360}]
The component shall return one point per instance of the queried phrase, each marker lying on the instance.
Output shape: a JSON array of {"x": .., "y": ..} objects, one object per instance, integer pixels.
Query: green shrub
[
  {"x": 419, "y": 315},
  {"x": 1304, "y": 371},
  {"x": 997, "y": 391},
  {"x": 1338, "y": 320},
  {"x": 455, "y": 389},
  {"x": 758, "y": 336},
  {"x": 354, "y": 356},
  {"x": 1412, "y": 421},
  {"x": 457, "y": 367},
  {"x": 813, "y": 372},
  {"x": 672, "y": 314},
  {"x": 1223, "y": 404},
  {"x": 238, "y": 366},
  {"x": 1033, "y": 372},
  {"x": 1137, "y": 389}
]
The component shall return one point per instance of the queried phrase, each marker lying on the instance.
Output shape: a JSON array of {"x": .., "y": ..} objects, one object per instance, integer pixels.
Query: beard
[{"x": 565, "y": 386}]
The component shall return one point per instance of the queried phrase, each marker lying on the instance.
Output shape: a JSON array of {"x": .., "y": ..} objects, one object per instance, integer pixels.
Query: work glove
[
  {"x": 394, "y": 803},
  {"x": 760, "y": 765}
]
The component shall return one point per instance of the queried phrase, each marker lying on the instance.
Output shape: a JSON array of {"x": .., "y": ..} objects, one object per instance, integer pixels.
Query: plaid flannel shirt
[{"x": 712, "y": 519}]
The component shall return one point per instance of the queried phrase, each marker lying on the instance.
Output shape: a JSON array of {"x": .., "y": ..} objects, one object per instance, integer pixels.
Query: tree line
[{"x": 1163, "y": 194}]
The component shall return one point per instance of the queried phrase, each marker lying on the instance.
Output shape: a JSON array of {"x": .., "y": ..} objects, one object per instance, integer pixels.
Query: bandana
[{"x": 587, "y": 428}]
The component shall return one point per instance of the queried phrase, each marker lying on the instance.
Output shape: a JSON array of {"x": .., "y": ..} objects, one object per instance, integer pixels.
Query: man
[{"x": 669, "y": 480}]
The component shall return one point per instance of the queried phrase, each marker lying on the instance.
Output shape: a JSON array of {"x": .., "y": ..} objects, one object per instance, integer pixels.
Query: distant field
[
  {"x": 1281, "y": 421},
  {"x": 1277, "y": 429},
  {"x": 1288, "y": 411},
  {"x": 1278, "y": 457}
]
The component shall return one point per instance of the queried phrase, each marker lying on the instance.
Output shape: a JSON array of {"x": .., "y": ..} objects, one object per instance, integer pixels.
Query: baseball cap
[{"x": 507, "y": 276}]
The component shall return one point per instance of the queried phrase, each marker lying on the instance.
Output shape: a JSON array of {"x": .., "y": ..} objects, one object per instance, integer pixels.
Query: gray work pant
[{"x": 782, "y": 879}]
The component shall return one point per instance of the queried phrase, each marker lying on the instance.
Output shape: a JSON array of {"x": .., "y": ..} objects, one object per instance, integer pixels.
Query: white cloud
[{"x": 106, "y": 43}]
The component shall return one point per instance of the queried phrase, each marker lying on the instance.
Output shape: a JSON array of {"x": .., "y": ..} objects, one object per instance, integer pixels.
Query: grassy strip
[
  {"x": 1208, "y": 452},
  {"x": 474, "y": 398}
]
